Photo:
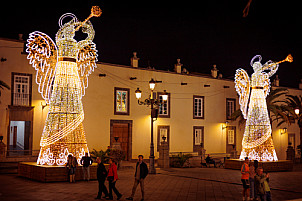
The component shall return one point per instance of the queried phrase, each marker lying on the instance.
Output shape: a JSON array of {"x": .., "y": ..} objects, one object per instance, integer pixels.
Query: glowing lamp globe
[
  {"x": 165, "y": 96},
  {"x": 138, "y": 93},
  {"x": 152, "y": 84},
  {"x": 297, "y": 111}
]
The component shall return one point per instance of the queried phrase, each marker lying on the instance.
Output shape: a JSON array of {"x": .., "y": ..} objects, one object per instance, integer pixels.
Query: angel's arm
[
  {"x": 88, "y": 29},
  {"x": 271, "y": 66}
]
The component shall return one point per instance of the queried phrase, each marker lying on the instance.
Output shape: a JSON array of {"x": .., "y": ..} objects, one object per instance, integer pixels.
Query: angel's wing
[
  {"x": 266, "y": 85},
  {"x": 242, "y": 85},
  {"x": 42, "y": 55},
  {"x": 86, "y": 62}
]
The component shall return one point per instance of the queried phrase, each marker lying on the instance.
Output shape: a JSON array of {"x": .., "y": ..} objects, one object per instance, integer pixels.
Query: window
[
  {"x": 164, "y": 107},
  {"x": 121, "y": 101},
  {"x": 292, "y": 139},
  {"x": 198, "y": 138},
  {"x": 231, "y": 137},
  {"x": 198, "y": 107},
  {"x": 230, "y": 107},
  {"x": 21, "y": 89},
  {"x": 162, "y": 131}
]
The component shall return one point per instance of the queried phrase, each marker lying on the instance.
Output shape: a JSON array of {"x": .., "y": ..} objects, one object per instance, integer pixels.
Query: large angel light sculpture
[
  {"x": 62, "y": 76},
  {"x": 257, "y": 142}
]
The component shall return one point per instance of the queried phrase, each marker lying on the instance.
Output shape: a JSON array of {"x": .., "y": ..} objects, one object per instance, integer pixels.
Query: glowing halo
[
  {"x": 67, "y": 15},
  {"x": 254, "y": 58}
]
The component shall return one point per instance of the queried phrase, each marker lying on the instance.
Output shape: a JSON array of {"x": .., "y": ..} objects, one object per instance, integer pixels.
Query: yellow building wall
[{"x": 99, "y": 106}]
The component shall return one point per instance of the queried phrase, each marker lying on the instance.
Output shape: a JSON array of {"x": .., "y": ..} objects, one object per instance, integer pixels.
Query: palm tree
[
  {"x": 3, "y": 85},
  {"x": 275, "y": 110},
  {"x": 289, "y": 115}
]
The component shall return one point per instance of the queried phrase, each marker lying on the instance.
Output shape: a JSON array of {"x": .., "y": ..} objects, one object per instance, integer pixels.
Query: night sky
[{"x": 200, "y": 33}]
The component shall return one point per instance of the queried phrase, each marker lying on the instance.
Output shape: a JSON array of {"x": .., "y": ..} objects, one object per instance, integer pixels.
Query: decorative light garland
[
  {"x": 257, "y": 143},
  {"x": 62, "y": 76}
]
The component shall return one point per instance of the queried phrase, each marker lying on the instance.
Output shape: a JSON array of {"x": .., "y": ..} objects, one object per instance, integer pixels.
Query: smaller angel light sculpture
[
  {"x": 257, "y": 143},
  {"x": 62, "y": 76}
]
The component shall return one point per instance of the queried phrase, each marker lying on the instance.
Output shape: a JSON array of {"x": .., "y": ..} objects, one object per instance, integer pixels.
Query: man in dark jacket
[
  {"x": 101, "y": 176},
  {"x": 86, "y": 161},
  {"x": 140, "y": 174}
]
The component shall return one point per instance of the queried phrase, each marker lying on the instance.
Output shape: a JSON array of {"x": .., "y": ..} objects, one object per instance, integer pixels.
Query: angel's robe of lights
[
  {"x": 257, "y": 142},
  {"x": 62, "y": 76}
]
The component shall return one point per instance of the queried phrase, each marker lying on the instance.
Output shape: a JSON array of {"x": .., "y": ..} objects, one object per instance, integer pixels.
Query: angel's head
[
  {"x": 256, "y": 62},
  {"x": 67, "y": 30}
]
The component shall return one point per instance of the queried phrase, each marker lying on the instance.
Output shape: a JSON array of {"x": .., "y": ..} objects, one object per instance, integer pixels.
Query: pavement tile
[{"x": 169, "y": 184}]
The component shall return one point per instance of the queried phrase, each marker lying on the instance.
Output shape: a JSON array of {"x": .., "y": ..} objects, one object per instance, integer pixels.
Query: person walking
[
  {"x": 101, "y": 176},
  {"x": 245, "y": 179},
  {"x": 262, "y": 186},
  {"x": 112, "y": 178},
  {"x": 252, "y": 181},
  {"x": 141, "y": 173},
  {"x": 86, "y": 161},
  {"x": 71, "y": 164}
]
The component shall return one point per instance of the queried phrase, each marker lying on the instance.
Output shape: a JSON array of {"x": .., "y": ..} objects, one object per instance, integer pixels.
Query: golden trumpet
[
  {"x": 95, "y": 12},
  {"x": 289, "y": 58}
]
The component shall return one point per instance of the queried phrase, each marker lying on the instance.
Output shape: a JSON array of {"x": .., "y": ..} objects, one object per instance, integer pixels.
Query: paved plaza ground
[{"x": 169, "y": 184}]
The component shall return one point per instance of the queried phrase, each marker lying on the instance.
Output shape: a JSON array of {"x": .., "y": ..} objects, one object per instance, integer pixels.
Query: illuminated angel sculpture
[
  {"x": 62, "y": 76},
  {"x": 257, "y": 142}
]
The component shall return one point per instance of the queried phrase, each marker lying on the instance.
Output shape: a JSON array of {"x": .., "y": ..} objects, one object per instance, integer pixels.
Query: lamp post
[{"x": 152, "y": 102}]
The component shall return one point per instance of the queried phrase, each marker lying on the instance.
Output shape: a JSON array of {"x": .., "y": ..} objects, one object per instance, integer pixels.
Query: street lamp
[
  {"x": 297, "y": 111},
  {"x": 225, "y": 126},
  {"x": 154, "y": 112}
]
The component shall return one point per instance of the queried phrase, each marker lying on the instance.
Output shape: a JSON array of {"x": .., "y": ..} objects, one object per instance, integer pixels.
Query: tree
[
  {"x": 289, "y": 116},
  {"x": 103, "y": 155},
  {"x": 3, "y": 86},
  {"x": 275, "y": 109}
]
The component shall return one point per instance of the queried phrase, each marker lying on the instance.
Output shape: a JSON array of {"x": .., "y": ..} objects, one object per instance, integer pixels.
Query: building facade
[{"x": 194, "y": 115}]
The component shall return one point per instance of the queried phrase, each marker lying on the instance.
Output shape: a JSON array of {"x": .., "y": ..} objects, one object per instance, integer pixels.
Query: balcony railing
[{"x": 21, "y": 99}]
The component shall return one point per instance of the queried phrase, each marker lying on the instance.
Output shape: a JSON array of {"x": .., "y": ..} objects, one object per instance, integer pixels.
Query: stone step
[
  {"x": 8, "y": 167},
  {"x": 9, "y": 171},
  {"x": 127, "y": 165},
  {"x": 19, "y": 159},
  {"x": 8, "y": 164}
]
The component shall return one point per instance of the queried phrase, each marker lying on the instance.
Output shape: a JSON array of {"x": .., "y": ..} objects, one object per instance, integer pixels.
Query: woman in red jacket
[{"x": 112, "y": 178}]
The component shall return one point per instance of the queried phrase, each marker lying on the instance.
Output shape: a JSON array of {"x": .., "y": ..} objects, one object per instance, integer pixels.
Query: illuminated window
[
  {"x": 230, "y": 107},
  {"x": 121, "y": 101},
  {"x": 21, "y": 89},
  {"x": 198, "y": 107},
  {"x": 163, "y": 131},
  {"x": 198, "y": 137},
  {"x": 164, "y": 107}
]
